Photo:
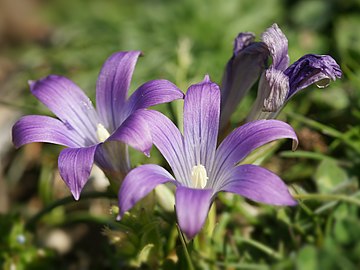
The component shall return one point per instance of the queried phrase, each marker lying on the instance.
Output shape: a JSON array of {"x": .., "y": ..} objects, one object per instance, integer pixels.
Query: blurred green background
[{"x": 181, "y": 41}]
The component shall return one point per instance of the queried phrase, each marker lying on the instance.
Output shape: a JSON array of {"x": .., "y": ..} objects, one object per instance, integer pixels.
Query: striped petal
[
  {"x": 257, "y": 184},
  {"x": 75, "y": 166},
  {"x": 135, "y": 132},
  {"x": 192, "y": 207},
  {"x": 271, "y": 97},
  {"x": 37, "y": 128},
  {"x": 113, "y": 85},
  {"x": 201, "y": 123},
  {"x": 168, "y": 139},
  {"x": 69, "y": 103},
  {"x": 152, "y": 93},
  {"x": 277, "y": 44},
  {"x": 138, "y": 183},
  {"x": 247, "y": 138},
  {"x": 241, "y": 72},
  {"x": 309, "y": 69}
]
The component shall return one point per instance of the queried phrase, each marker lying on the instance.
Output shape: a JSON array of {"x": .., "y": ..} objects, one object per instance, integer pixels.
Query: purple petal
[
  {"x": 201, "y": 123},
  {"x": 277, "y": 87},
  {"x": 69, "y": 103},
  {"x": 135, "y": 132},
  {"x": 192, "y": 207},
  {"x": 247, "y": 138},
  {"x": 138, "y": 183},
  {"x": 113, "y": 158},
  {"x": 152, "y": 93},
  {"x": 277, "y": 44},
  {"x": 311, "y": 69},
  {"x": 258, "y": 184},
  {"x": 37, "y": 128},
  {"x": 75, "y": 166},
  {"x": 242, "y": 41},
  {"x": 168, "y": 139},
  {"x": 272, "y": 91},
  {"x": 113, "y": 85},
  {"x": 241, "y": 72}
]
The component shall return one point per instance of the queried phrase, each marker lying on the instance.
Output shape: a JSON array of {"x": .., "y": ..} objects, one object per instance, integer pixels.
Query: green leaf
[
  {"x": 328, "y": 175},
  {"x": 307, "y": 259}
]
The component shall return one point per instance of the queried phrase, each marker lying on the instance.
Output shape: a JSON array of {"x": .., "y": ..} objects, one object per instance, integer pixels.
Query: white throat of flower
[
  {"x": 199, "y": 176},
  {"x": 102, "y": 133}
]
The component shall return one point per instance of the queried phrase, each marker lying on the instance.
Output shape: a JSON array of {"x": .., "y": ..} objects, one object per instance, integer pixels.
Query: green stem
[
  {"x": 237, "y": 265},
  {"x": 260, "y": 246},
  {"x": 328, "y": 197},
  {"x": 67, "y": 200},
  {"x": 324, "y": 129},
  {"x": 186, "y": 251}
]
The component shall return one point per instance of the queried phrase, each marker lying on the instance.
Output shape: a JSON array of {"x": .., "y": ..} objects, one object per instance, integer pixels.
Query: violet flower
[
  {"x": 241, "y": 72},
  {"x": 280, "y": 81},
  {"x": 91, "y": 135},
  {"x": 201, "y": 170}
]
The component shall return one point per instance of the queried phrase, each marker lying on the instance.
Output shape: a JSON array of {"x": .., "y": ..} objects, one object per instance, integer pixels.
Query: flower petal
[
  {"x": 168, "y": 139},
  {"x": 135, "y": 132},
  {"x": 272, "y": 91},
  {"x": 113, "y": 158},
  {"x": 277, "y": 44},
  {"x": 258, "y": 184},
  {"x": 69, "y": 103},
  {"x": 241, "y": 72},
  {"x": 201, "y": 123},
  {"x": 75, "y": 166},
  {"x": 277, "y": 87},
  {"x": 152, "y": 93},
  {"x": 138, "y": 183},
  {"x": 309, "y": 69},
  {"x": 247, "y": 138},
  {"x": 37, "y": 128},
  {"x": 192, "y": 207},
  {"x": 242, "y": 41},
  {"x": 112, "y": 87}
]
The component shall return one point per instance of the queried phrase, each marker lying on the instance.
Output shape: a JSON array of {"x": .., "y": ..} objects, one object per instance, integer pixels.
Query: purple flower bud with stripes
[
  {"x": 201, "y": 169},
  {"x": 100, "y": 135},
  {"x": 280, "y": 81},
  {"x": 241, "y": 72}
]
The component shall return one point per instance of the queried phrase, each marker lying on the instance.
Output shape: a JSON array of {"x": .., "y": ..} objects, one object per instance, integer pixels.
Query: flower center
[
  {"x": 102, "y": 133},
  {"x": 199, "y": 176}
]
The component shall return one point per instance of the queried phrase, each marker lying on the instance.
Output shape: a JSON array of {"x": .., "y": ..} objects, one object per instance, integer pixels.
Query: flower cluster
[
  {"x": 86, "y": 131},
  {"x": 278, "y": 83},
  {"x": 201, "y": 164}
]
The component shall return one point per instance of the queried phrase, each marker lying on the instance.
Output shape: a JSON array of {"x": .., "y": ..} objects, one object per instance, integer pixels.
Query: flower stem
[
  {"x": 269, "y": 251},
  {"x": 328, "y": 197},
  {"x": 186, "y": 251},
  {"x": 325, "y": 130}
]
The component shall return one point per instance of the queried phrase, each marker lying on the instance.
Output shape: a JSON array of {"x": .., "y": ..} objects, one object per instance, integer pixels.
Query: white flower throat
[
  {"x": 199, "y": 176},
  {"x": 102, "y": 133}
]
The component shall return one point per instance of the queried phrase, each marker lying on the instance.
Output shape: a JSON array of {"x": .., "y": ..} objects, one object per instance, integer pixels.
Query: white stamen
[
  {"x": 102, "y": 133},
  {"x": 199, "y": 176}
]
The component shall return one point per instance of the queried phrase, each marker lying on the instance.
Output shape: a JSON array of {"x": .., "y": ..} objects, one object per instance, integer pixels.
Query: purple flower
[
  {"x": 279, "y": 82},
  {"x": 94, "y": 135},
  {"x": 241, "y": 72},
  {"x": 200, "y": 169}
]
